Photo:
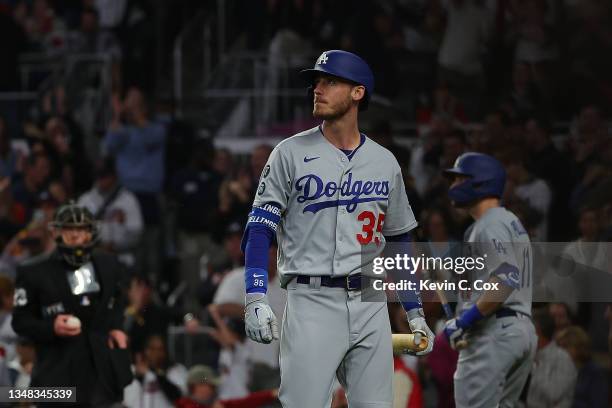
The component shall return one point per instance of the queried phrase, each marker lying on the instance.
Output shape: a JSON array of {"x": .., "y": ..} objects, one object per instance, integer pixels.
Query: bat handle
[{"x": 447, "y": 311}]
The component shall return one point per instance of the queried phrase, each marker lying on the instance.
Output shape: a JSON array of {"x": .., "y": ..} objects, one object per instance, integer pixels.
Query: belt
[
  {"x": 505, "y": 312},
  {"x": 350, "y": 282}
]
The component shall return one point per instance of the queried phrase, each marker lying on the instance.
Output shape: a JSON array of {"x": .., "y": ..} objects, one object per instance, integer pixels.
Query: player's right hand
[
  {"x": 259, "y": 319},
  {"x": 453, "y": 333}
]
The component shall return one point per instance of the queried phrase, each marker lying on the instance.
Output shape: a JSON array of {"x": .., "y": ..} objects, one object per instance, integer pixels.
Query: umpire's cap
[
  {"x": 345, "y": 65},
  {"x": 486, "y": 177}
]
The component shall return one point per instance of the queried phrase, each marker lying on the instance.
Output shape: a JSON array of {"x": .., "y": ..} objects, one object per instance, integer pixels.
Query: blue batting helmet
[
  {"x": 345, "y": 65},
  {"x": 486, "y": 178}
]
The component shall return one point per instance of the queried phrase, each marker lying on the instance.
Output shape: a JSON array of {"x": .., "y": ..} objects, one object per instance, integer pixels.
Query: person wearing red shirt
[{"x": 202, "y": 383}]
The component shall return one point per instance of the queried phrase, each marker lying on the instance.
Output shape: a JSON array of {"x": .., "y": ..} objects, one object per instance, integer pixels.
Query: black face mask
[{"x": 75, "y": 255}]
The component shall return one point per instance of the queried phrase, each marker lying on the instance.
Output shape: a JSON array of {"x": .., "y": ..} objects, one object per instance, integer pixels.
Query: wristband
[{"x": 471, "y": 316}]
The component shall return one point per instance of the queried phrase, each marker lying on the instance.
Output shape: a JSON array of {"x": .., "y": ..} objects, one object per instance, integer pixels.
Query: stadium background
[{"x": 209, "y": 87}]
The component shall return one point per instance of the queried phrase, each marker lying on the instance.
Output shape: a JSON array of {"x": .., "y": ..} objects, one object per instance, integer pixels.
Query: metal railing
[{"x": 199, "y": 47}]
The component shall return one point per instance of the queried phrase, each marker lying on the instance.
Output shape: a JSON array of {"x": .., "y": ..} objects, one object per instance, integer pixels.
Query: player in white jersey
[
  {"x": 495, "y": 323},
  {"x": 332, "y": 197}
]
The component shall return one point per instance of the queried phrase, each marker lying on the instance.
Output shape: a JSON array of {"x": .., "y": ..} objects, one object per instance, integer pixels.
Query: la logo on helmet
[{"x": 322, "y": 59}]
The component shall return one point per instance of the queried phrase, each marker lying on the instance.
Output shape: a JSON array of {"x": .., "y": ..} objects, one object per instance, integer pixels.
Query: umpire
[{"x": 69, "y": 303}]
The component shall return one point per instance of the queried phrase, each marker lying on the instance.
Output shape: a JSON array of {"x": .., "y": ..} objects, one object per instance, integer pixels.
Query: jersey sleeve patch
[
  {"x": 508, "y": 274},
  {"x": 268, "y": 215}
]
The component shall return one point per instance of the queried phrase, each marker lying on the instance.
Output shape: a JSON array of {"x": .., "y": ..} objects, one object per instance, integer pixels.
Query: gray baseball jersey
[
  {"x": 493, "y": 368},
  {"x": 499, "y": 237},
  {"x": 334, "y": 211}
]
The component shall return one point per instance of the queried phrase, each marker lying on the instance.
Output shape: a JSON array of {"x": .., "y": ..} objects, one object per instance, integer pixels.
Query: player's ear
[{"x": 358, "y": 92}]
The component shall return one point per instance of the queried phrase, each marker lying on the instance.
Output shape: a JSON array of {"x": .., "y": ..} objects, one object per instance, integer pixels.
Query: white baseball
[{"x": 73, "y": 322}]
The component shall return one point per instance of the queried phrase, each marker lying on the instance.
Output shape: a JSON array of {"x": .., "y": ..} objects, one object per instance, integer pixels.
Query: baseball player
[
  {"x": 332, "y": 197},
  {"x": 495, "y": 321}
]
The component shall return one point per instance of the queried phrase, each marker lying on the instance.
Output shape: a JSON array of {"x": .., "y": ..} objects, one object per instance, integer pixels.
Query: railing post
[{"x": 178, "y": 75}]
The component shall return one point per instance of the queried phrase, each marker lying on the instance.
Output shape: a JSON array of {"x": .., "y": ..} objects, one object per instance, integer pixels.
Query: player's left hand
[
  {"x": 259, "y": 319},
  {"x": 453, "y": 333},
  {"x": 416, "y": 321}
]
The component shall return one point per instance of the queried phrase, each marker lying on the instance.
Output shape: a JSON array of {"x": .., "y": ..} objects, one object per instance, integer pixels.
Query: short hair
[
  {"x": 576, "y": 338},
  {"x": 545, "y": 322}
]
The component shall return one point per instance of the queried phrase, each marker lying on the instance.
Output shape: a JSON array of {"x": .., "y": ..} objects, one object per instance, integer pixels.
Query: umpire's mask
[{"x": 70, "y": 222}]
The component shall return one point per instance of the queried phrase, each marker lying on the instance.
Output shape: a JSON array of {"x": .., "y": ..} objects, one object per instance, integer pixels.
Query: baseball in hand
[{"x": 73, "y": 322}]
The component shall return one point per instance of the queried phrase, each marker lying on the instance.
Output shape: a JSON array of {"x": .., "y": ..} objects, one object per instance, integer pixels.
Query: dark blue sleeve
[
  {"x": 402, "y": 245},
  {"x": 258, "y": 236}
]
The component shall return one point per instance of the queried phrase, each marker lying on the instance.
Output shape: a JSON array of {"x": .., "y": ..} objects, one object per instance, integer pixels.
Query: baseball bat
[
  {"x": 404, "y": 343},
  {"x": 460, "y": 344}
]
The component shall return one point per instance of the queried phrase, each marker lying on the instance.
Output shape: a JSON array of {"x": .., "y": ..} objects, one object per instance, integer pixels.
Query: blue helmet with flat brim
[
  {"x": 344, "y": 65},
  {"x": 486, "y": 177}
]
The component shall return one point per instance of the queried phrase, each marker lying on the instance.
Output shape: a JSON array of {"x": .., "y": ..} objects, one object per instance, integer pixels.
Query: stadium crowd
[{"x": 476, "y": 75}]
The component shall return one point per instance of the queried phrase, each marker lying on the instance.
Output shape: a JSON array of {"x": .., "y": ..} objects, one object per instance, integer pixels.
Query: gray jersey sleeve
[
  {"x": 275, "y": 181},
  {"x": 399, "y": 218},
  {"x": 496, "y": 242}
]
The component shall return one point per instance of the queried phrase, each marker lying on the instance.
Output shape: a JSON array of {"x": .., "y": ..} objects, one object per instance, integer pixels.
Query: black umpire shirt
[{"x": 42, "y": 291}]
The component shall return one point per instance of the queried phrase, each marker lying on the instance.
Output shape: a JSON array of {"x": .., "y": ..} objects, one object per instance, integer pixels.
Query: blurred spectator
[
  {"x": 407, "y": 390},
  {"x": 444, "y": 103},
  {"x": 117, "y": 209},
  {"x": 202, "y": 383},
  {"x": 442, "y": 363},
  {"x": 523, "y": 98},
  {"x": 382, "y": 134},
  {"x": 438, "y": 232},
  {"x": 229, "y": 301},
  {"x": 536, "y": 44},
  {"x": 257, "y": 161},
  {"x": 562, "y": 315},
  {"x": 91, "y": 39},
  {"x": 145, "y": 317},
  {"x": 111, "y": 12},
  {"x": 8, "y": 337},
  {"x": 12, "y": 215},
  {"x": 223, "y": 162},
  {"x": 590, "y": 51},
  {"x": 234, "y": 358},
  {"x": 158, "y": 383},
  {"x": 523, "y": 186},
  {"x": 70, "y": 164},
  {"x": 26, "y": 189},
  {"x": 36, "y": 239},
  {"x": 467, "y": 31},
  {"x": 453, "y": 146},
  {"x": 593, "y": 189},
  {"x": 20, "y": 367},
  {"x": 214, "y": 267},
  {"x": 137, "y": 144},
  {"x": 194, "y": 190},
  {"x": 591, "y": 387},
  {"x": 236, "y": 194},
  {"x": 425, "y": 156},
  {"x": 553, "y": 376},
  {"x": 10, "y": 158},
  {"x": 589, "y": 133},
  {"x": 546, "y": 162},
  {"x": 45, "y": 31},
  {"x": 586, "y": 250}
]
